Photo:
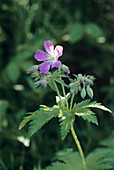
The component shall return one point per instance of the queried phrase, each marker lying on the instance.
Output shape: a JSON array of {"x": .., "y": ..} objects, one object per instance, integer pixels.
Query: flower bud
[
  {"x": 32, "y": 69},
  {"x": 64, "y": 68},
  {"x": 35, "y": 74}
]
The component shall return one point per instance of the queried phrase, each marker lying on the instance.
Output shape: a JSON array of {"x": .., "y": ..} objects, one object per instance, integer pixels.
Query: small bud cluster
[
  {"x": 82, "y": 84},
  {"x": 39, "y": 78}
]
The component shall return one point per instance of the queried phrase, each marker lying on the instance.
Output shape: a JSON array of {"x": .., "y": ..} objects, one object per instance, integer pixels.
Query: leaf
[
  {"x": 81, "y": 104},
  {"x": 61, "y": 82},
  {"x": 26, "y": 120},
  {"x": 66, "y": 125},
  {"x": 80, "y": 110},
  {"x": 40, "y": 118},
  {"x": 93, "y": 30},
  {"x": 12, "y": 71},
  {"x": 98, "y": 105},
  {"x": 89, "y": 91},
  {"x": 67, "y": 160},
  {"x": 83, "y": 93},
  {"x": 88, "y": 115},
  {"x": 3, "y": 107},
  {"x": 108, "y": 142},
  {"x": 76, "y": 32},
  {"x": 51, "y": 84},
  {"x": 101, "y": 158},
  {"x": 2, "y": 164}
]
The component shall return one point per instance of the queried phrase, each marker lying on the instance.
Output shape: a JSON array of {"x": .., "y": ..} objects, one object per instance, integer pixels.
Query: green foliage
[
  {"x": 70, "y": 160},
  {"x": 24, "y": 26},
  {"x": 76, "y": 32},
  {"x": 61, "y": 82},
  {"x": 66, "y": 125},
  {"x": 51, "y": 84},
  {"x": 2, "y": 164},
  {"x": 93, "y": 30},
  {"x": 82, "y": 109},
  {"x": 12, "y": 72},
  {"x": 3, "y": 109},
  {"x": 99, "y": 159},
  {"x": 39, "y": 118}
]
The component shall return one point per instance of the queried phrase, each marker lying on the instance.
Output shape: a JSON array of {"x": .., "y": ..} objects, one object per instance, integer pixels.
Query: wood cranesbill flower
[{"x": 50, "y": 57}]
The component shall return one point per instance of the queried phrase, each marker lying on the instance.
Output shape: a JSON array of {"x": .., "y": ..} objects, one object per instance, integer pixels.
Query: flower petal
[
  {"x": 41, "y": 55},
  {"x": 44, "y": 67},
  {"x": 49, "y": 47},
  {"x": 56, "y": 63},
  {"x": 67, "y": 73},
  {"x": 58, "y": 51}
]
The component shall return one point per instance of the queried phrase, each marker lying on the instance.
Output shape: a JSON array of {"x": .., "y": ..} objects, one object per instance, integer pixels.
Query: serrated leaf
[
  {"x": 26, "y": 120},
  {"x": 69, "y": 160},
  {"x": 66, "y": 125},
  {"x": 89, "y": 91},
  {"x": 41, "y": 118},
  {"x": 81, "y": 110},
  {"x": 83, "y": 93},
  {"x": 101, "y": 158},
  {"x": 88, "y": 115},
  {"x": 61, "y": 82},
  {"x": 98, "y": 105}
]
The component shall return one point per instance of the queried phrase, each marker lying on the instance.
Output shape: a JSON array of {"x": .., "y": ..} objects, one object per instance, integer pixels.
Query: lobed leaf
[
  {"x": 99, "y": 106},
  {"x": 41, "y": 118},
  {"x": 88, "y": 115},
  {"x": 101, "y": 158},
  {"x": 66, "y": 125},
  {"x": 69, "y": 161}
]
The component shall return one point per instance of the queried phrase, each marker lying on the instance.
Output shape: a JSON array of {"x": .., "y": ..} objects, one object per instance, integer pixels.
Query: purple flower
[{"x": 50, "y": 58}]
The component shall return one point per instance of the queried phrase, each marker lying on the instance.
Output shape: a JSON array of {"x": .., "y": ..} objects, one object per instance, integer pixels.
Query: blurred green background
[{"x": 85, "y": 29}]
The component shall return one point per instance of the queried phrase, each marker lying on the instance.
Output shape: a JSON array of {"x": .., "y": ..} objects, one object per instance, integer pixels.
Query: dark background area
[{"x": 85, "y": 29}]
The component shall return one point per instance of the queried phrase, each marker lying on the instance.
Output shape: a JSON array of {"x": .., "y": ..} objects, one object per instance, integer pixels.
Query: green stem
[
  {"x": 57, "y": 90},
  {"x": 79, "y": 147},
  {"x": 71, "y": 103},
  {"x": 65, "y": 95},
  {"x": 64, "y": 91}
]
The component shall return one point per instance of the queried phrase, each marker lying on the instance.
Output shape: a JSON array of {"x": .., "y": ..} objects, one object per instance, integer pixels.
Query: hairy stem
[
  {"x": 64, "y": 91},
  {"x": 79, "y": 147},
  {"x": 71, "y": 103},
  {"x": 57, "y": 90},
  {"x": 65, "y": 95}
]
